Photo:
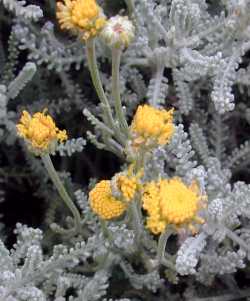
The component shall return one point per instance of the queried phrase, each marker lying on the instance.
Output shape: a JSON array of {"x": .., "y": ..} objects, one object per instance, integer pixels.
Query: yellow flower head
[
  {"x": 81, "y": 16},
  {"x": 103, "y": 203},
  {"x": 171, "y": 202},
  {"x": 151, "y": 124},
  {"x": 127, "y": 186},
  {"x": 127, "y": 183},
  {"x": 39, "y": 131}
]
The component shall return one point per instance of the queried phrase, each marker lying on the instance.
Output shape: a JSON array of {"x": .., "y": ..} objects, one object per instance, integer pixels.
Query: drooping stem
[
  {"x": 116, "y": 60},
  {"x": 61, "y": 190},
  {"x": 162, "y": 242},
  {"x": 95, "y": 76}
]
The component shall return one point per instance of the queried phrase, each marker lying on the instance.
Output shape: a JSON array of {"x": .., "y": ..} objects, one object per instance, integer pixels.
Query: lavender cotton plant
[{"x": 125, "y": 150}]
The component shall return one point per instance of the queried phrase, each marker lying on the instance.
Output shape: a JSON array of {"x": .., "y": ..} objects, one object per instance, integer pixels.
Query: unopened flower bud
[{"x": 118, "y": 32}]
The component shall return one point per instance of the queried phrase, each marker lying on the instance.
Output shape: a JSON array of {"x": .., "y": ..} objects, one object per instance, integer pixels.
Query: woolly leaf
[{"x": 25, "y": 75}]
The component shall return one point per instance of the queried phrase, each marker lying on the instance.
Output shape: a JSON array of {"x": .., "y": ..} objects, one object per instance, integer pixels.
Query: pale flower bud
[{"x": 118, "y": 32}]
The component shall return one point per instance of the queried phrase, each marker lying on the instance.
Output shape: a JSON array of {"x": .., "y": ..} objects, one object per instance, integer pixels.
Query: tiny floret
[
  {"x": 83, "y": 17},
  {"x": 103, "y": 203},
  {"x": 152, "y": 126},
  {"x": 171, "y": 202},
  {"x": 40, "y": 132},
  {"x": 118, "y": 32}
]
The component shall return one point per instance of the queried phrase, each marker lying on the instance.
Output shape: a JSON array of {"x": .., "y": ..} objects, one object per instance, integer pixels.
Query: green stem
[
  {"x": 131, "y": 7},
  {"x": 106, "y": 232},
  {"x": 136, "y": 221},
  {"x": 116, "y": 60},
  {"x": 61, "y": 190},
  {"x": 95, "y": 76},
  {"x": 162, "y": 242}
]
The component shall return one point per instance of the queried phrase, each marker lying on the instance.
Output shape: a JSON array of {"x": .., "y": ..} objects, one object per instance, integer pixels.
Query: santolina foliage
[{"x": 144, "y": 106}]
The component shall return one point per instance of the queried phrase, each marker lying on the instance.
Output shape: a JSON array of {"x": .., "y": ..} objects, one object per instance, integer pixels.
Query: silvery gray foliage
[
  {"x": 71, "y": 146},
  {"x": 20, "y": 9},
  {"x": 28, "y": 275},
  {"x": 189, "y": 253},
  {"x": 180, "y": 152},
  {"x": 156, "y": 165},
  {"x": 191, "y": 55},
  {"x": 150, "y": 281},
  {"x": 43, "y": 47},
  {"x": 199, "y": 141},
  {"x": 213, "y": 264},
  {"x": 196, "y": 42},
  {"x": 123, "y": 238},
  {"x": 183, "y": 91}
]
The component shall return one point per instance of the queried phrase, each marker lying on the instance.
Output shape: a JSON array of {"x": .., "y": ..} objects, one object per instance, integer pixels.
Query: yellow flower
[
  {"x": 39, "y": 131},
  {"x": 82, "y": 17},
  {"x": 152, "y": 125},
  {"x": 127, "y": 186},
  {"x": 103, "y": 203},
  {"x": 109, "y": 199},
  {"x": 127, "y": 183},
  {"x": 171, "y": 202}
]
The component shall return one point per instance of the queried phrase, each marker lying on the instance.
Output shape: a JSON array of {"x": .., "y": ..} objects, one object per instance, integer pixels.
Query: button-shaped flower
[
  {"x": 152, "y": 126},
  {"x": 171, "y": 202},
  {"x": 110, "y": 199},
  {"x": 103, "y": 203},
  {"x": 40, "y": 132},
  {"x": 83, "y": 17}
]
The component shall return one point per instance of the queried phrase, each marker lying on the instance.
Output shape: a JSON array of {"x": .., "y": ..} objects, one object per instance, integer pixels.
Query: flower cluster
[
  {"x": 152, "y": 126},
  {"x": 171, "y": 202},
  {"x": 83, "y": 17},
  {"x": 40, "y": 132}
]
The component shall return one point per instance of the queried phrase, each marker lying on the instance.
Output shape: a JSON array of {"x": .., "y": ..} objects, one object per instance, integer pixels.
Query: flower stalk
[
  {"x": 61, "y": 190},
  {"x": 95, "y": 76},
  {"x": 130, "y": 6},
  {"x": 116, "y": 60},
  {"x": 162, "y": 242},
  {"x": 136, "y": 221}
]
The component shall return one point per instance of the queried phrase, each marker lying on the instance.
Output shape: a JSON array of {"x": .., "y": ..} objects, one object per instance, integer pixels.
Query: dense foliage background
[{"x": 190, "y": 55}]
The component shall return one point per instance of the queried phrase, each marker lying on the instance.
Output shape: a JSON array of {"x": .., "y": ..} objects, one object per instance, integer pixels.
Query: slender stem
[
  {"x": 136, "y": 221},
  {"x": 106, "y": 232},
  {"x": 116, "y": 60},
  {"x": 226, "y": 297},
  {"x": 162, "y": 242},
  {"x": 137, "y": 62},
  {"x": 234, "y": 237},
  {"x": 95, "y": 76},
  {"x": 61, "y": 190},
  {"x": 131, "y": 7}
]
